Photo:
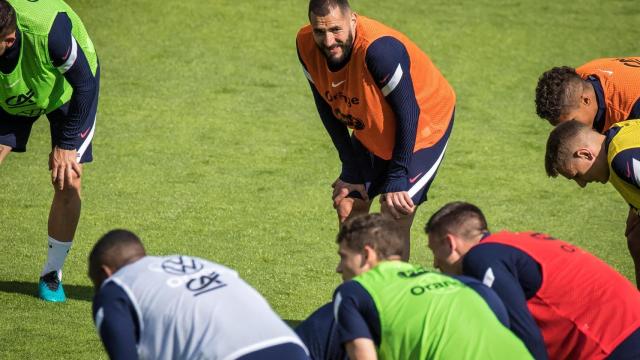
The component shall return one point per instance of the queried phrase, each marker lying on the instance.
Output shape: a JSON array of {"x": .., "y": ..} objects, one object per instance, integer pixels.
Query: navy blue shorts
[
  {"x": 278, "y": 352},
  {"x": 15, "y": 130},
  {"x": 422, "y": 168}
]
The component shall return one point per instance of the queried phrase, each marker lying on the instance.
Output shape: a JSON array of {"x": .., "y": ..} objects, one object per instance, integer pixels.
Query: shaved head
[
  {"x": 323, "y": 7},
  {"x": 114, "y": 250},
  {"x": 562, "y": 143}
]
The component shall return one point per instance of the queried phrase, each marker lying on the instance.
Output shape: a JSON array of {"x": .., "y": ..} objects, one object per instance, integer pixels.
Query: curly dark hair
[{"x": 555, "y": 92}]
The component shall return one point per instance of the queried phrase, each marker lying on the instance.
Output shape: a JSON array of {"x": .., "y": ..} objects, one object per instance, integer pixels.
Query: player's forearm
[
  {"x": 339, "y": 135},
  {"x": 68, "y": 57},
  {"x": 389, "y": 64},
  {"x": 85, "y": 89}
]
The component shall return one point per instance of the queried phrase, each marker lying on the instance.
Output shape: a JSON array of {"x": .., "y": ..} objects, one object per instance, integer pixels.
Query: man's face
[
  {"x": 581, "y": 169},
  {"x": 444, "y": 258},
  {"x": 7, "y": 41},
  {"x": 334, "y": 33},
  {"x": 352, "y": 263}
]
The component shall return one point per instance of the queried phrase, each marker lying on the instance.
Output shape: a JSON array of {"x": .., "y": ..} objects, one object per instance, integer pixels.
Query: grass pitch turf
[{"x": 208, "y": 143}]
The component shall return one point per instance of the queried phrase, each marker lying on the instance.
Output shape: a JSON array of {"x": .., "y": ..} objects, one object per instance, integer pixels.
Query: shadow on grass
[
  {"x": 75, "y": 292},
  {"x": 292, "y": 323}
]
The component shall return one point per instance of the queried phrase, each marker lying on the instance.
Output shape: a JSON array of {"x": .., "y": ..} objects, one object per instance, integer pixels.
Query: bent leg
[
  {"x": 633, "y": 241},
  {"x": 4, "y": 151},
  {"x": 404, "y": 223},
  {"x": 65, "y": 211},
  {"x": 350, "y": 207}
]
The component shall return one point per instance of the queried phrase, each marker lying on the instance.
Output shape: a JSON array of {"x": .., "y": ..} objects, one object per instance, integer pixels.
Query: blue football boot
[{"x": 50, "y": 288}]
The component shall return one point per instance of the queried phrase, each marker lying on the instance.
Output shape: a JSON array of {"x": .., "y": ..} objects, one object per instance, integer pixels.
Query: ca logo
[{"x": 21, "y": 100}]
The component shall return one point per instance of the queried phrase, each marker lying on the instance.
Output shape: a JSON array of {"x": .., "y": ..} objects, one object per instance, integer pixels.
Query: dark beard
[{"x": 346, "y": 47}]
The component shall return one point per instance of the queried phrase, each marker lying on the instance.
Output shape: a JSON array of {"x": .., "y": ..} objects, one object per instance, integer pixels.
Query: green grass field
[{"x": 208, "y": 143}]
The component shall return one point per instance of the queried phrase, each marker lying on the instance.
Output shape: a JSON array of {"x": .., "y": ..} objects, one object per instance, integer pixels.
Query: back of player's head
[
  {"x": 558, "y": 92},
  {"x": 7, "y": 18},
  {"x": 460, "y": 218},
  {"x": 560, "y": 145},
  {"x": 377, "y": 231},
  {"x": 115, "y": 249},
  {"x": 323, "y": 7}
]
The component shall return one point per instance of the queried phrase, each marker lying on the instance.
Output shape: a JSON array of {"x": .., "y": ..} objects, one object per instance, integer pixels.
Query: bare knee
[
  {"x": 71, "y": 190},
  {"x": 349, "y": 207}
]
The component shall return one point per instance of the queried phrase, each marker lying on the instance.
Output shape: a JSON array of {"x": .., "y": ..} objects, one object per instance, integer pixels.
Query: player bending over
[
  {"x": 563, "y": 302},
  {"x": 372, "y": 80},
  {"x": 180, "y": 307}
]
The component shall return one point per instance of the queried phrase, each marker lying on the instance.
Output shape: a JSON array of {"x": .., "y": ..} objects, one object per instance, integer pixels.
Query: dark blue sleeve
[
  {"x": 626, "y": 164},
  {"x": 116, "y": 321},
  {"x": 515, "y": 277},
  {"x": 318, "y": 333},
  {"x": 356, "y": 313},
  {"x": 389, "y": 64},
  {"x": 79, "y": 76},
  {"x": 339, "y": 136},
  {"x": 490, "y": 297},
  {"x": 635, "y": 111}
]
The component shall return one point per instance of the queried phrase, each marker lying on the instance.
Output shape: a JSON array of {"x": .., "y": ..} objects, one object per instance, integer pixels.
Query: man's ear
[
  {"x": 451, "y": 243},
  {"x": 107, "y": 270},
  {"x": 369, "y": 256},
  {"x": 584, "y": 153},
  {"x": 585, "y": 100}
]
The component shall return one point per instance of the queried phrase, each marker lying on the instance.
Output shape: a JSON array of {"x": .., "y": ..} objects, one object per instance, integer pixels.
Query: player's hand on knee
[
  {"x": 342, "y": 189},
  {"x": 397, "y": 204},
  {"x": 344, "y": 208},
  {"x": 64, "y": 167}
]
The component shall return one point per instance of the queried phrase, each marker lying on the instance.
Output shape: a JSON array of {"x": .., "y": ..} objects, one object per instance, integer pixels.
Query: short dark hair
[
  {"x": 556, "y": 92},
  {"x": 558, "y": 145},
  {"x": 378, "y": 231},
  {"x": 323, "y": 7},
  {"x": 461, "y": 218},
  {"x": 115, "y": 249},
  {"x": 7, "y": 18}
]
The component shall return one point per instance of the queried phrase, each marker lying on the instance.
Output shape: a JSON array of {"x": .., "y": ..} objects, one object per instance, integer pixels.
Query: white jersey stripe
[
  {"x": 425, "y": 179},
  {"x": 132, "y": 297},
  {"x": 636, "y": 170},
  {"x": 265, "y": 344},
  {"x": 306, "y": 73},
  {"x": 99, "y": 318},
  {"x": 395, "y": 80},
  {"x": 86, "y": 142},
  {"x": 71, "y": 59},
  {"x": 336, "y": 306}
]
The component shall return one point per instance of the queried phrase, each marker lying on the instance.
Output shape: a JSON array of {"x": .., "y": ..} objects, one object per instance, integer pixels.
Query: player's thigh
[
  {"x": 15, "y": 131},
  {"x": 424, "y": 166},
  {"x": 372, "y": 169}
]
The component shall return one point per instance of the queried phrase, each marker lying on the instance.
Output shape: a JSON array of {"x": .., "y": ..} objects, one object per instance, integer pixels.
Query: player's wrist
[{"x": 65, "y": 146}]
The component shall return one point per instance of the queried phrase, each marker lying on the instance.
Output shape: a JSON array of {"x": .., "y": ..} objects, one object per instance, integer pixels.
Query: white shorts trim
[{"x": 429, "y": 175}]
